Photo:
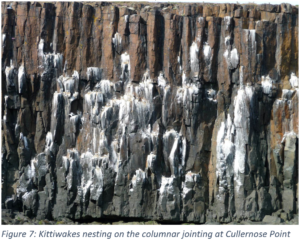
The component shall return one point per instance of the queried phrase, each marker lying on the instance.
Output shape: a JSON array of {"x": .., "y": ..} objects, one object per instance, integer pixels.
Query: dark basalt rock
[{"x": 177, "y": 113}]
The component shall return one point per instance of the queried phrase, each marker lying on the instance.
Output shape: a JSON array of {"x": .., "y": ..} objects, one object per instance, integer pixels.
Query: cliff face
[{"x": 161, "y": 112}]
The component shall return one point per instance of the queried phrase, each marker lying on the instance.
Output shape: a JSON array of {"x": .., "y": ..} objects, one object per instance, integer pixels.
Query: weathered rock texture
[{"x": 184, "y": 113}]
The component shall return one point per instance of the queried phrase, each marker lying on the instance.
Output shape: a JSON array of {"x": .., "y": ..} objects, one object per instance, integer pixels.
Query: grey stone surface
[{"x": 176, "y": 113}]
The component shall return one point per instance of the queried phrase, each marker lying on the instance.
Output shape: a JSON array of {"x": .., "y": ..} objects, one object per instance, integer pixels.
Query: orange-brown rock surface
[{"x": 171, "y": 112}]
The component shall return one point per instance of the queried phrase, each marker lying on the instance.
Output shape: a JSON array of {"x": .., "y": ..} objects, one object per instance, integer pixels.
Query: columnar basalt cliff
[{"x": 169, "y": 112}]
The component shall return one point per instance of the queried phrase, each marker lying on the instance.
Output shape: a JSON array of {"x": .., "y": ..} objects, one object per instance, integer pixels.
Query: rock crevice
[{"x": 169, "y": 112}]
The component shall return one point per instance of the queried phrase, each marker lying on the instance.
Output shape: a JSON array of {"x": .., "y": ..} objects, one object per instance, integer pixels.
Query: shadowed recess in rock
[{"x": 150, "y": 111}]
